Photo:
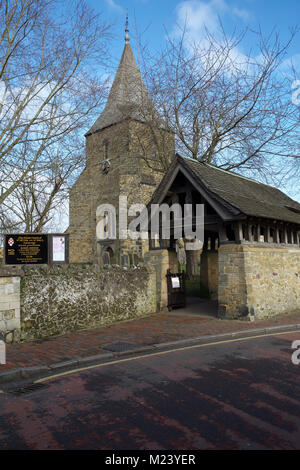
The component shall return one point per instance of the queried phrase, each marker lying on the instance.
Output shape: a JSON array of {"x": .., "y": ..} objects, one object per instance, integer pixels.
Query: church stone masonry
[{"x": 123, "y": 150}]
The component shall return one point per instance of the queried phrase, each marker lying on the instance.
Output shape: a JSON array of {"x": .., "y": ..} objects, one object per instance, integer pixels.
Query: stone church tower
[{"x": 127, "y": 149}]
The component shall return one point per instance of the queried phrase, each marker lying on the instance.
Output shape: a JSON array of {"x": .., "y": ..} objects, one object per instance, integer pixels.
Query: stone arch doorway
[
  {"x": 110, "y": 251},
  {"x": 107, "y": 255},
  {"x": 202, "y": 289}
]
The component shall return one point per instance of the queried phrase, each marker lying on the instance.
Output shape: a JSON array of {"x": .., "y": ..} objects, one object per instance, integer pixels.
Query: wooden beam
[
  {"x": 238, "y": 230},
  {"x": 211, "y": 219},
  {"x": 182, "y": 189},
  {"x": 249, "y": 232},
  {"x": 268, "y": 234},
  {"x": 257, "y": 232},
  {"x": 285, "y": 235},
  {"x": 222, "y": 233},
  {"x": 277, "y": 237}
]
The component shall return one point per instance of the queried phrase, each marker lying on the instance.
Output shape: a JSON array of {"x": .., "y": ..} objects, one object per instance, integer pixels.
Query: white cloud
[
  {"x": 197, "y": 16},
  {"x": 115, "y": 6},
  {"x": 291, "y": 66},
  {"x": 242, "y": 14}
]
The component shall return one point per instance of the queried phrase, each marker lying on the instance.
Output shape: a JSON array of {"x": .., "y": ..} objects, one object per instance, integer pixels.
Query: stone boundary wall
[
  {"x": 209, "y": 272},
  {"x": 54, "y": 300},
  {"x": 10, "y": 307},
  {"x": 258, "y": 281},
  {"x": 159, "y": 261},
  {"x": 273, "y": 280},
  {"x": 232, "y": 291}
]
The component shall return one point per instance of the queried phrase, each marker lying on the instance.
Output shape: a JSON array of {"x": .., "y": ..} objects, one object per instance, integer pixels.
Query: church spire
[
  {"x": 126, "y": 29},
  {"x": 128, "y": 97}
]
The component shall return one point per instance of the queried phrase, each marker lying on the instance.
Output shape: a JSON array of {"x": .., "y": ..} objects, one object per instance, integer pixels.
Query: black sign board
[
  {"x": 26, "y": 249},
  {"x": 176, "y": 289}
]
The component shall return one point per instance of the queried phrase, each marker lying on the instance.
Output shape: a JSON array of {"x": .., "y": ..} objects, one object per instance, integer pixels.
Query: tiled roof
[
  {"x": 128, "y": 98},
  {"x": 250, "y": 197},
  {"x": 244, "y": 195}
]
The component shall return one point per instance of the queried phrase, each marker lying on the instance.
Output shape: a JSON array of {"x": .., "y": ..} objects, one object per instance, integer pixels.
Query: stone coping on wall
[
  {"x": 11, "y": 271},
  {"x": 255, "y": 244},
  {"x": 15, "y": 271}
]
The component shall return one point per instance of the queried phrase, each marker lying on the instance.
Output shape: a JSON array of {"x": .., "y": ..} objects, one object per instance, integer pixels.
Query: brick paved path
[{"x": 157, "y": 328}]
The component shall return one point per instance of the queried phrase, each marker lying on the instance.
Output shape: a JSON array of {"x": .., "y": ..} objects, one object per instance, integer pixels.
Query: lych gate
[{"x": 250, "y": 259}]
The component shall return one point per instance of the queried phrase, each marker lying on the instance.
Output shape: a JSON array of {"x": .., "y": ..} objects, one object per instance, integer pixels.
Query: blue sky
[{"x": 153, "y": 18}]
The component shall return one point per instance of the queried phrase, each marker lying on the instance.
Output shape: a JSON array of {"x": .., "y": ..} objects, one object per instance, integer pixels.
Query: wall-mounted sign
[
  {"x": 58, "y": 248},
  {"x": 26, "y": 249},
  {"x": 34, "y": 248},
  {"x": 175, "y": 282}
]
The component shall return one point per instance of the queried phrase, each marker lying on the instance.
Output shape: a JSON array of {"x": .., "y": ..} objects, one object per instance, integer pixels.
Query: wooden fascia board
[{"x": 216, "y": 202}]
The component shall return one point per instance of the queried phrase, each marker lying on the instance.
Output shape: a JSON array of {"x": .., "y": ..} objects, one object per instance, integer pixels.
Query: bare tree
[
  {"x": 42, "y": 196},
  {"x": 48, "y": 88},
  {"x": 227, "y": 108}
]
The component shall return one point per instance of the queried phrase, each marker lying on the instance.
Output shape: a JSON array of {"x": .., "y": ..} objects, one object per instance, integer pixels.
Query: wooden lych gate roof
[{"x": 234, "y": 195}]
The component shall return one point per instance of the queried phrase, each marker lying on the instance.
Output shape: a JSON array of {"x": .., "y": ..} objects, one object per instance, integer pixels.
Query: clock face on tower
[{"x": 105, "y": 166}]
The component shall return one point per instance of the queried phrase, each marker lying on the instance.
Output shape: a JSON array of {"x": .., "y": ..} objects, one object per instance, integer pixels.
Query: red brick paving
[{"x": 157, "y": 328}]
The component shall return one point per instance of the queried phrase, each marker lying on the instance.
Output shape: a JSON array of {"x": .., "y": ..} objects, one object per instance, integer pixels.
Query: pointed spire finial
[{"x": 126, "y": 29}]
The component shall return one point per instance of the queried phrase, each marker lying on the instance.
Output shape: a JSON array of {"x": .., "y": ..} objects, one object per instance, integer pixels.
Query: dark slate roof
[
  {"x": 246, "y": 196},
  {"x": 128, "y": 97}
]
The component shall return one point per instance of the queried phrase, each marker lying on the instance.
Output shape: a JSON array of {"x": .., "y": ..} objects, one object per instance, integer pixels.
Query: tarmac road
[{"x": 232, "y": 394}]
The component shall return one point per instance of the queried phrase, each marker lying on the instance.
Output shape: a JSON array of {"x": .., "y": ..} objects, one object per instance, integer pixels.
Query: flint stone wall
[{"x": 50, "y": 300}]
